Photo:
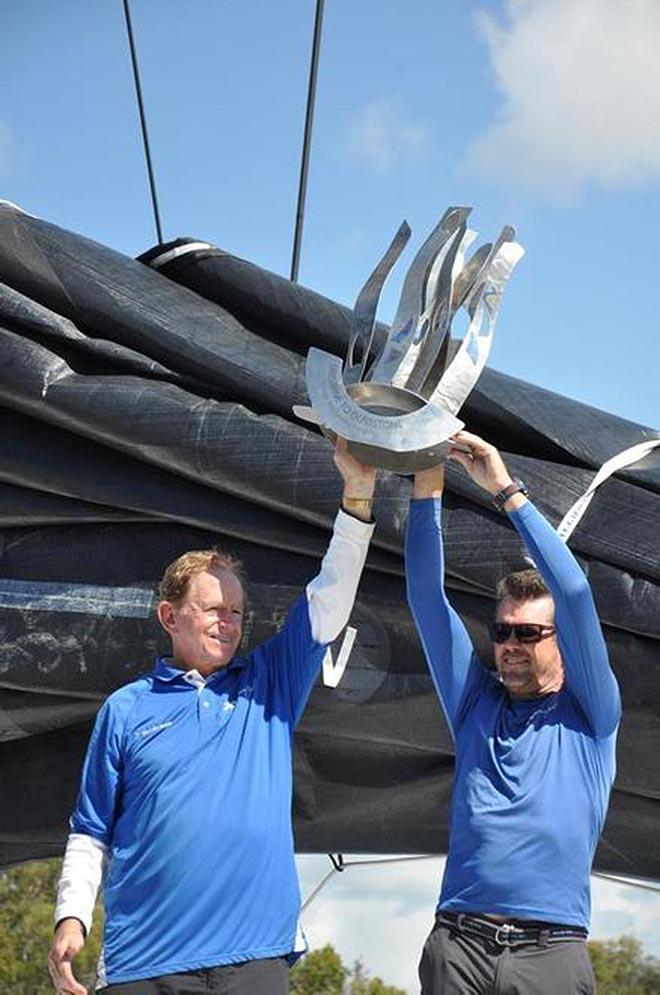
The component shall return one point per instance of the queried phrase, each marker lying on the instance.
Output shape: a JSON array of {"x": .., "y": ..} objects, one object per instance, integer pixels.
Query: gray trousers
[
  {"x": 253, "y": 977},
  {"x": 456, "y": 963}
]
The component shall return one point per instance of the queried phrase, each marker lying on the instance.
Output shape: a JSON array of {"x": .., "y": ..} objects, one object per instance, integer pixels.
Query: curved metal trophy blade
[
  {"x": 439, "y": 317},
  {"x": 366, "y": 305},
  {"x": 404, "y": 329},
  {"x": 426, "y": 323},
  {"x": 482, "y": 304},
  {"x": 384, "y": 425},
  {"x": 468, "y": 275},
  {"x": 506, "y": 237}
]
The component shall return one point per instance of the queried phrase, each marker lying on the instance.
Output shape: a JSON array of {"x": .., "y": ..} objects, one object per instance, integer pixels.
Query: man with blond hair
[
  {"x": 185, "y": 800},
  {"x": 535, "y": 744}
]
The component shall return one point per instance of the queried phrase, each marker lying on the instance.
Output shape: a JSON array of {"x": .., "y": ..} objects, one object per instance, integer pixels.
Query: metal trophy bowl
[{"x": 398, "y": 409}]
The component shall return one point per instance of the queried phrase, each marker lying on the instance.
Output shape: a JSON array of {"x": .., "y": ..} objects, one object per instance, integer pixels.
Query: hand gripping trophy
[{"x": 398, "y": 409}]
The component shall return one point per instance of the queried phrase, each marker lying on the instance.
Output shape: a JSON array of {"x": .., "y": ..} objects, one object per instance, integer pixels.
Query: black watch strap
[
  {"x": 501, "y": 498},
  {"x": 64, "y": 918}
]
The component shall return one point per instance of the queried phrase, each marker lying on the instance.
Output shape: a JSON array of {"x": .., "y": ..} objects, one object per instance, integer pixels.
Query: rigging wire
[
  {"x": 143, "y": 121},
  {"x": 339, "y": 865},
  {"x": 631, "y": 882},
  {"x": 309, "y": 121},
  {"x": 312, "y": 895}
]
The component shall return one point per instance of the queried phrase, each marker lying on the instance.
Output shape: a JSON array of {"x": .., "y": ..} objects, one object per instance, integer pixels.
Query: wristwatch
[
  {"x": 501, "y": 498},
  {"x": 358, "y": 507}
]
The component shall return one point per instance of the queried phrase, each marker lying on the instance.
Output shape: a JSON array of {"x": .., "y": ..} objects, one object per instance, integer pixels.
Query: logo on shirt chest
[
  {"x": 229, "y": 705},
  {"x": 246, "y": 693},
  {"x": 153, "y": 729}
]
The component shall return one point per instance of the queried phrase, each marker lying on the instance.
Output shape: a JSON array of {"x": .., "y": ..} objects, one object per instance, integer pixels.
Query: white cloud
[
  {"x": 625, "y": 909},
  {"x": 380, "y": 137},
  {"x": 580, "y": 81}
]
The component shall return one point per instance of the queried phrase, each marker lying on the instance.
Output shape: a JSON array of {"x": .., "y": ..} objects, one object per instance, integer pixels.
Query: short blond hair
[{"x": 174, "y": 582}]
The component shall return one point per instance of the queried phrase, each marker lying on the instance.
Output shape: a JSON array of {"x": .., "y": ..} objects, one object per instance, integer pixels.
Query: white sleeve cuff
[
  {"x": 331, "y": 594},
  {"x": 82, "y": 873}
]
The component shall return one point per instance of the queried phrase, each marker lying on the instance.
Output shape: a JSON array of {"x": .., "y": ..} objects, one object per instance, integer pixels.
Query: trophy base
[
  {"x": 401, "y": 463},
  {"x": 386, "y": 401}
]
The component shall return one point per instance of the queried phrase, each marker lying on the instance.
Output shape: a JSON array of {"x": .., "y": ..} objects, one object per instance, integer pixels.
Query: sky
[{"x": 543, "y": 114}]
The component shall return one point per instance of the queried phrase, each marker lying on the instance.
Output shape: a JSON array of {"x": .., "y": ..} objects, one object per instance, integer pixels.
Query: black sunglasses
[{"x": 525, "y": 632}]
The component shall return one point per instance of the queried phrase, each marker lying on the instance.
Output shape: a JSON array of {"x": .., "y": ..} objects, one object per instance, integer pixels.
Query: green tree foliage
[
  {"x": 27, "y": 894},
  {"x": 359, "y": 983},
  {"x": 622, "y": 968},
  {"x": 321, "y": 972}
]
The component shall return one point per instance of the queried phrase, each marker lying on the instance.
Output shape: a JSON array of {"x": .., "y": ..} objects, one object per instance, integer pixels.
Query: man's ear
[{"x": 166, "y": 616}]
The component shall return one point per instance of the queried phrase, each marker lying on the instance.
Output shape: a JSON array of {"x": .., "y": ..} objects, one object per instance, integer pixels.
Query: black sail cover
[{"x": 146, "y": 409}]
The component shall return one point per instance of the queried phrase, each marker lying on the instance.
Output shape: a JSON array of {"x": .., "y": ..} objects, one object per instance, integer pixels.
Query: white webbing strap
[
  {"x": 629, "y": 456},
  {"x": 179, "y": 250}
]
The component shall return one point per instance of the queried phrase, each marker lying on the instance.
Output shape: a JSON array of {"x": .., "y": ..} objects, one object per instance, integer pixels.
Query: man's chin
[
  {"x": 512, "y": 675},
  {"x": 222, "y": 659},
  {"x": 516, "y": 685},
  {"x": 212, "y": 667},
  {"x": 214, "y": 661}
]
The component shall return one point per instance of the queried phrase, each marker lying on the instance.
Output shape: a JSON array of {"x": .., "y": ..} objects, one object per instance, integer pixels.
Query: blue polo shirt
[
  {"x": 190, "y": 789},
  {"x": 532, "y": 777}
]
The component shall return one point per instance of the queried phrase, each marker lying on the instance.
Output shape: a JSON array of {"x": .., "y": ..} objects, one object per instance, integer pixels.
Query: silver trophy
[{"x": 398, "y": 409}]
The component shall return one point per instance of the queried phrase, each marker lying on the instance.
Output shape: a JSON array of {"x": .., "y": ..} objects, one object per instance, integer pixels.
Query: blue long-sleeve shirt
[{"x": 532, "y": 777}]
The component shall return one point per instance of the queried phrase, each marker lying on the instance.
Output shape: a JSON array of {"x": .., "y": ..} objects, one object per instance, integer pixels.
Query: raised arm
[
  {"x": 319, "y": 616},
  {"x": 445, "y": 640},
  {"x": 331, "y": 594},
  {"x": 587, "y": 672}
]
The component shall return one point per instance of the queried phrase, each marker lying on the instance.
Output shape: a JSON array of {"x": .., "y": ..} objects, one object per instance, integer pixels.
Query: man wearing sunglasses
[{"x": 535, "y": 753}]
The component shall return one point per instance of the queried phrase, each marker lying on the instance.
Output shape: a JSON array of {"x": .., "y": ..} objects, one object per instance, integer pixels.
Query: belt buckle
[{"x": 502, "y": 934}]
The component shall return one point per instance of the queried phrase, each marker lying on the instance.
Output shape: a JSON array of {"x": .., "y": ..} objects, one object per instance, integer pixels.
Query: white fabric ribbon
[{"x": 618, "y": 462}]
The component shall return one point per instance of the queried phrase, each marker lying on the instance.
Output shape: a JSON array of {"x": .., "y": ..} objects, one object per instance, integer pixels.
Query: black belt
[{"x": 510, "y": 934}]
